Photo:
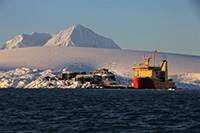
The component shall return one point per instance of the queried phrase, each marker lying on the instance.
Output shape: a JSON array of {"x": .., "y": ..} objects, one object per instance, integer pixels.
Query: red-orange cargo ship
[{"x": 152, "y": 77}]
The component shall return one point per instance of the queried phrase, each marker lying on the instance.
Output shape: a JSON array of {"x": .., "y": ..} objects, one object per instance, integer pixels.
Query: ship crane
[{"x": 147, "y": 59}]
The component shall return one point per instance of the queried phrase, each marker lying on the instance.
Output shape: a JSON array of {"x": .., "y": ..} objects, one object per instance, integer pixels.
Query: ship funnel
[{"x": 163, "y": 66}]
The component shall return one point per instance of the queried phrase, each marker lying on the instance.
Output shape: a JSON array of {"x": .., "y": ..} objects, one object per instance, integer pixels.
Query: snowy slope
[
  {"x": 188, "y": 80},
  {"x": 27, "y": 40},
  {"x": 79, "y": 36},
  {"x": 87, "y": 59}
]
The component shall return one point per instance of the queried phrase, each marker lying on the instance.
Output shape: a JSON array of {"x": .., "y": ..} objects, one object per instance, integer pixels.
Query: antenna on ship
[{"x": 154, "y": 57}]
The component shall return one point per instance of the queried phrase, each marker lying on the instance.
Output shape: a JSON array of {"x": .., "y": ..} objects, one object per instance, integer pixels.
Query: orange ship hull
[{"x": 149, "y": 83}]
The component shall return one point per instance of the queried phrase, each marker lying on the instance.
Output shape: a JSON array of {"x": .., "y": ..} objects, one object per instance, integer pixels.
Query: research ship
[{"x": 152, "y": 77}]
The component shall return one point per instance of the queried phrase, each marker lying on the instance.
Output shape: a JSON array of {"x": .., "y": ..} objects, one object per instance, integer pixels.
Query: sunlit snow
[{"x": 27, "y": 40}]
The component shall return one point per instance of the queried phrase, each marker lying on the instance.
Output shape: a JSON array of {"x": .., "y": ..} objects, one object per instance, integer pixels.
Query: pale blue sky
[{"x": 165, "y": 25}]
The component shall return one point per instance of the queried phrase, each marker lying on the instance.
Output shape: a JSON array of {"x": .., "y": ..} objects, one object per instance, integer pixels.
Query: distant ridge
[
  {"x": 27, "y": 40},
  {"x": 74, "y": 36}
]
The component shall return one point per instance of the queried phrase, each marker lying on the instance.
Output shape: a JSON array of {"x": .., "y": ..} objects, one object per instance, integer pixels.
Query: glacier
[{"x": 87, "y": 59}]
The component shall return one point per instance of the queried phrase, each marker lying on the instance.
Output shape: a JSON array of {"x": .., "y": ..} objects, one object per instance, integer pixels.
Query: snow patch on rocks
[{"x": 34, "y": 78}]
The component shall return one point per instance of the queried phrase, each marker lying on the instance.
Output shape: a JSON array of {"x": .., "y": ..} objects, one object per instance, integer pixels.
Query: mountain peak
[
  {"x": 79, "y": 36},
  {"x": 78, "y": 25},
  {"x": 34, "y": 33},
  {"x": 75, "y": 27}
]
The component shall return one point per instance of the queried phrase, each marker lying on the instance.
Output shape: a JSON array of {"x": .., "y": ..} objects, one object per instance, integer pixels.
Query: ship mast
[{"x": 154, "y": 57}]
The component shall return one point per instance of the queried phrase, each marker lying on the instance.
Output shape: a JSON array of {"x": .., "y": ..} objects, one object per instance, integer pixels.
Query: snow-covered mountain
[
  {"x": 74, "y": 36},
  {"x": 79, "y": 36},
  {"x": 28, "y": 40}
]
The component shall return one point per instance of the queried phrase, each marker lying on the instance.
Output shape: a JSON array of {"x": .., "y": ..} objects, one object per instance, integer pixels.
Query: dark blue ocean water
[{"x": 103, "y": 110}]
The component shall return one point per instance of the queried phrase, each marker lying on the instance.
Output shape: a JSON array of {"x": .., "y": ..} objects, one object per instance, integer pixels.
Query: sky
[{"x": 171, "y": 26}]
